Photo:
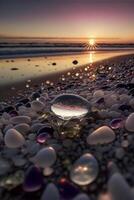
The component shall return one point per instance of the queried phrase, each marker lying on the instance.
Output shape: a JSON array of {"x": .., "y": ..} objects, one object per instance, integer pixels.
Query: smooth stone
[
  {"x": 33, "y": 179},
  {"x": 98, "y": 93},
  {"x": 85, "y": 170},
  {"x": 4, "y": 167},
  {"x": 119, "y": 153},
  {"x": 48, "y": 171},
  {"x": 32, "y": 147},
  {"x": 14, "y": 139},
  {"x": 81, "y": 197},
  {"x": 110, "y": 100},
  {"x": 50, "y": 193},
  {"x": 36, "y": 126},
  {"x": 132, "y": 81},
  {"x": 129, "y": 124},
  {"x": 19, "y": 161},
  {"x": 20, "y": 119},
  {"x": 22, "y": 128},
  {"x": 118, "y": 188},
  {"x": 46, "y": 157},
  {"x": 131, "y": 103},
  {"x": 114, "y": 114},
  {"x": 102, "y": 135},
  {"x": 7, "y": 127},
  {"x": 37, "y": 105}
]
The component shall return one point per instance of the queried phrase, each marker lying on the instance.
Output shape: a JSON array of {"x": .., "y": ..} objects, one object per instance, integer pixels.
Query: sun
[{"x": 91, "y": 42}]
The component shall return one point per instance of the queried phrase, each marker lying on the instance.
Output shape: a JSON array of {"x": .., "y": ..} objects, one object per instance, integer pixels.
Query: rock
[
  {"x": 98, "y": 93},
  {"x": 118, "y": 188},
  {"x": 22, "y": 128},
  {"x": 33, "y": 179},
  {"x": 81, "y": 197},
  {"x": 14, "y": 139},
  {"x": 85, "y": 170},
  {"x": 20, "y": 119},
  {"x": 4, "y": 167},
  {"x": 37, "y": 106},
  {"x": 131, "y": 103},
  {"x": 46, "y": 157},
  {"x": 129, "y": 124},
  {"x": 102, "y": 135},
  {"x": 50, "y": 193}
]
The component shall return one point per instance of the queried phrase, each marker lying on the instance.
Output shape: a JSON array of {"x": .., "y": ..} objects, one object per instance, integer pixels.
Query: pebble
[
  {"x": 46, "y": 157},
  {"x": 20, "y": 119},
  {"x": 85, "y": 170},
  {"x": 50, "y": 193},
  {"x": 131, "y": 103},
  {"x": 5, "y": 167},
  {"x": 102, "y": 135},
  {"x": 81, "y": 197},
  {"x": 119, "y": 153},
  {"x": 14, "y": 139},
  {"x": 129, "y": 124},
  {"x": 48, "y": 171},
  {"x": 118, "y": 188},
  {"x": 22, "y": 128},
  {"x": 33, "y": 179},
  {"x": 37, "y": 106},
  {"x": 98, "y": 93}
]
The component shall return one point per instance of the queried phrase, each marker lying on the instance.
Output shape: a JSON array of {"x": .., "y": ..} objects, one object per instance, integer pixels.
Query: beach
[{"x": 32, "y": 131}]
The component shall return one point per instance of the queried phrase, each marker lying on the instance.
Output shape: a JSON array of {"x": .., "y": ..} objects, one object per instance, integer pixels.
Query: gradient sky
[{"x": 67, "y": 18}]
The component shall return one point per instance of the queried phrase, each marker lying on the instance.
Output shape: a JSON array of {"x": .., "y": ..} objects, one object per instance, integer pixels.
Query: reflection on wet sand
[{"x": 23, "y": 69}]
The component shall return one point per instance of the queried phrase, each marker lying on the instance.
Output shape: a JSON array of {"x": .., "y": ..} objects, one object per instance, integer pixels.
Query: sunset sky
[{"x": 68, "y": 18}]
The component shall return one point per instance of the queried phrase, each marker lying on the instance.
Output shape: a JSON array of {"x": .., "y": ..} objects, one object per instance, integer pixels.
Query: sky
[{"x": 102, "y": 19}]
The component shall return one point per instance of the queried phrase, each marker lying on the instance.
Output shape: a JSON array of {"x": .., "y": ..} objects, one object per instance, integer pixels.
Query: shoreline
[
  {"x": 61, "y": 53},
  {"x": 54, "y": 77}
]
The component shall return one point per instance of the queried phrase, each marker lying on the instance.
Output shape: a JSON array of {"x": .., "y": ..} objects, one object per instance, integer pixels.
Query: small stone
[
  {"x": 98, "y": 93},
  {"x": 119, "y": 153},
  {"x": 22, "y": 128},
  {"x": 20, "y": 119},
  {"x": 129, "y": 124},
  {"x": 46, "y": 157},
  {"x": 37, "y": 106},
  {"x": 33, "y": 179},
  {"x": 118, "y": 188},
  {"x": 85, "y": 170},
  {"x": 4, "y": 167},
  {"x": 50, "y": 193},
  {"x": 48, "y": 171},
  {"x": 102, "y": 135},
  {"x": 131, "y": 103},
  {"x": 81, "y": 197},
  {"x": 14, "y": 139}
]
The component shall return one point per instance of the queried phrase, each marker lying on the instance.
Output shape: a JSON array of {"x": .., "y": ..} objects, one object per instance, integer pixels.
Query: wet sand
[{"x": 11, "y": 90}]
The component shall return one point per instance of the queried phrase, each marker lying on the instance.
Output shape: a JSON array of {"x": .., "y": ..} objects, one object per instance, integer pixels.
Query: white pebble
[
  {"x": 14, "y": 139},
  {"x": 20, "y": 119},
  {"x": 129, "y": 124},
  {"x": 46, "y": 157},
  {"x": 50, "y": 193},
  {"x": 37, "y": 105},
  {"x": 102, "y": 135}
]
